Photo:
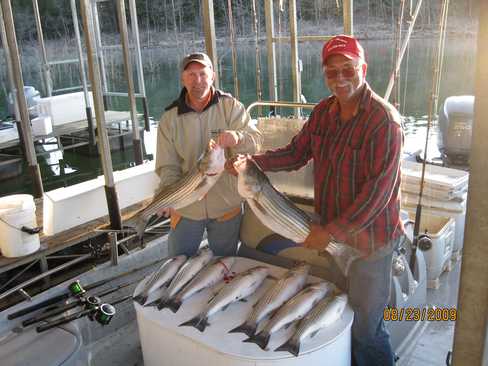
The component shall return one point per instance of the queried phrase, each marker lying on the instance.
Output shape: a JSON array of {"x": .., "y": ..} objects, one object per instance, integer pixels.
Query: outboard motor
[
  {"x": 455, "y": 124},
  {"x": 32, "y": 96}
]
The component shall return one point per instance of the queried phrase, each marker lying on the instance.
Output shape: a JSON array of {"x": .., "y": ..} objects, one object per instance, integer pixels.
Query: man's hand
[
  {"x": 228, "y": 139},
  {"x": 229, "y": 166},
  {"x": 166, "y": 212},
  {"x": 318, "y": 238}
]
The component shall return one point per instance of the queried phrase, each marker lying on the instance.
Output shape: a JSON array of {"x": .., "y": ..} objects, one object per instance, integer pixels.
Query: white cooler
[{"x": 165, "y": 343}]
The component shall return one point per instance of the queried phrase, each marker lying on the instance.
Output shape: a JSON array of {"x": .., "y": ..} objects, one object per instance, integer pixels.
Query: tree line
[{"x": 182, "y": 16}]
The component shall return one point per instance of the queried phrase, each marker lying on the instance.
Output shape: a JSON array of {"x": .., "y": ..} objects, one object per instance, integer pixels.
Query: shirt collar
[{"x": 183, "y": 107}]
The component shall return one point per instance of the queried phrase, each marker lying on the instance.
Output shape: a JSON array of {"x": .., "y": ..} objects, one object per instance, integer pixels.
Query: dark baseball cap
[{"x": 199, "y": 57}]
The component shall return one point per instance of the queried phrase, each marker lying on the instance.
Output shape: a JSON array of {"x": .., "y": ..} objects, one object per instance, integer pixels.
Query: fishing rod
[
  {"x": 75, "y": 289},
  {"x": 82, "y": 301},
  {"x": 424, "y": 241},
  {"x": 96, "y": 310}
]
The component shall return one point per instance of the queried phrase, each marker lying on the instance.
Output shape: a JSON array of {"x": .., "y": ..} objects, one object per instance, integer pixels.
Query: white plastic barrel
[{"x": 16, "y": 211}]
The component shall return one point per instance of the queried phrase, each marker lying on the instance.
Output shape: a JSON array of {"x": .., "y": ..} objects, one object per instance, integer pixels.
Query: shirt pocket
[{"x": 317, "y": 143}]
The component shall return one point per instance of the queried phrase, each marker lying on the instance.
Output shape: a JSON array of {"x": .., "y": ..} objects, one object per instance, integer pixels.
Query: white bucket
[{"x": 16, "y": 211}]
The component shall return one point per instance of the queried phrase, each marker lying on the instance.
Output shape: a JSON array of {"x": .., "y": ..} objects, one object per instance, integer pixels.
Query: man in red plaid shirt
[{"x": 355, "y": 139}]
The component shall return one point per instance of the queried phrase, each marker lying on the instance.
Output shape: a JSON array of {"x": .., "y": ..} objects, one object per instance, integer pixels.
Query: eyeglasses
[{"x": 347, "y": 72}]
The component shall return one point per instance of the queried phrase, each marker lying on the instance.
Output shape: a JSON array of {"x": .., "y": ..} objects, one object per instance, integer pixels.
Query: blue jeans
[
  {"x": 369, "y": 285},
  {"x": 223, "y": 236}
]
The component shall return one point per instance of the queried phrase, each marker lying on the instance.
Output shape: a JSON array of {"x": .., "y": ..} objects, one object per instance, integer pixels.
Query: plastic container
[{"x": 17, "y": 211}]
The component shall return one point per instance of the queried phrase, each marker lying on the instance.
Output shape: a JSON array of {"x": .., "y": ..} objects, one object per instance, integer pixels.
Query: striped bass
[
  {"x": 186, "y": 273},
  {"x": 160, "y": 277},
  {"x": 294, "y": 309},
  {"x": 283, "y": 290},
  {"x": 207, "y": 277},
  {"x": 280, "y": 214},
  {"x": 325, "y": 313},
  {"x": 243, "y": 285},
  {"x": 190, "y": 188}
]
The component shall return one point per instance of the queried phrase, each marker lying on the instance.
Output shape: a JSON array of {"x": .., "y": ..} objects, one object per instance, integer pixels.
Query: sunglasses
[{"x": 347, "y": 72}]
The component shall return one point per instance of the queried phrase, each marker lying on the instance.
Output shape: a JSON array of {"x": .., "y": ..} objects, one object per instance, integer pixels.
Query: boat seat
[{"x": 55, "y": 347}]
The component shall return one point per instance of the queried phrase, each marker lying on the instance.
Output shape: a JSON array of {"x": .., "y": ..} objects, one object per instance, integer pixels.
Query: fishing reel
[
  {"x": 76, "y": 289},
  {"x": 102, "y": 313},
  {"x": 424, "y": 242}
]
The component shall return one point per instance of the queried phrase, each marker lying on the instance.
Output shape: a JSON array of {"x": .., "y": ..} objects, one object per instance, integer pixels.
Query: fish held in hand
[
  {"x": 192, "y": 187},
  {"x": 280, "y": 214}
]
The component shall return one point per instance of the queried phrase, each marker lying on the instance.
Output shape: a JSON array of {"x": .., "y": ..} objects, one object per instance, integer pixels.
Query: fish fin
[
  {"x": 140, "y": 299},
  {"x": 290, "y": 346},
  {"x": 163, "y": 304},
  {"x": 261, "y": 339},
  {"x": 245, "y": 328},
  {"x": 174, "y": 305},
  {"x": 200, "y": 322},
  {"x": 314, "y": 333},
  {"x": 153, "y": 303},
  {"x": 243, "y": 300}
]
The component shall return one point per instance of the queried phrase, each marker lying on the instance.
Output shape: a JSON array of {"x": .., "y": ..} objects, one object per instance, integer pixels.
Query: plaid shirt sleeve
[
  {"x": 383, "y": 174},
  {"x": 290, "y": 157}
]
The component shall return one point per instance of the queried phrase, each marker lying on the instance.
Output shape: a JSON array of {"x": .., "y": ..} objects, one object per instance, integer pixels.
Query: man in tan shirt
[{"x": 200, "y": 113}]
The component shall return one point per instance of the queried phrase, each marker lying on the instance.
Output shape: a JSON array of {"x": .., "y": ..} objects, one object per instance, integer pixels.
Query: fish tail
[
  {"x": 291, "y": 346},
  {"x": 200, "y": 322},
  {"x": 261, "y": 339},
  {"x": 174, "y": 305},
  {"x": 141, "y": 299},
  {"x": 246, "y": 328}
]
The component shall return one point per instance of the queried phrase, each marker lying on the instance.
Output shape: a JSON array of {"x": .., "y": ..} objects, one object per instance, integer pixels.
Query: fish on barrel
[
  {"x": 159, "y": 278},
  {"x": 294, "y": 309},
  {"x": 186, "y": 273},
  {"x": 280, "y": 214},
  {"x": 192, "y": 187},
  {"x": 241, "y": 286},
  {"x": 207, "y": 277},
  {"x": 324, "y": 314},
  {"x": 283, "y": 290}
]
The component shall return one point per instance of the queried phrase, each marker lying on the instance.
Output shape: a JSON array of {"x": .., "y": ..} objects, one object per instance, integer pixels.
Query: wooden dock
[
  {"x": 54, "y": 243},
  {"x": 10, "y": 137}
]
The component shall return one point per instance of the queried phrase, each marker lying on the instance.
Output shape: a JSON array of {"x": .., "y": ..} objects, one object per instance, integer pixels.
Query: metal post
[
  {"x": 26, "y": 130},
  {"x": 89, "y": 114},
  {"x": 270, "y": 46},
  {"x": 472, "y": 310},
  {"x": 209, "y": 30},
  {"x": 140, "y": 70},
  {"x": 99, "y": 50},
  {"x": 8, "y": 61},
  {"x": 347, "y": 15},
  {"x": 114, "y": 250},
  {"x": 295, "y": 67},
  {"x": 46, "y": 72},
  {"x": 124, "y": 38},
  {"x": 103, "y": 142}
]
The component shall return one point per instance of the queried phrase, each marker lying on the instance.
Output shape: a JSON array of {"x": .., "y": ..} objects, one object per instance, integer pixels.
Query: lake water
[{"x": 162, "y": 86}]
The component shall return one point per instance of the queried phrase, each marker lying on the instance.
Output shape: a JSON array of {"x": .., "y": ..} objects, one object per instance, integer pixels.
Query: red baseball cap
[{"x": 343, "y": 45}]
